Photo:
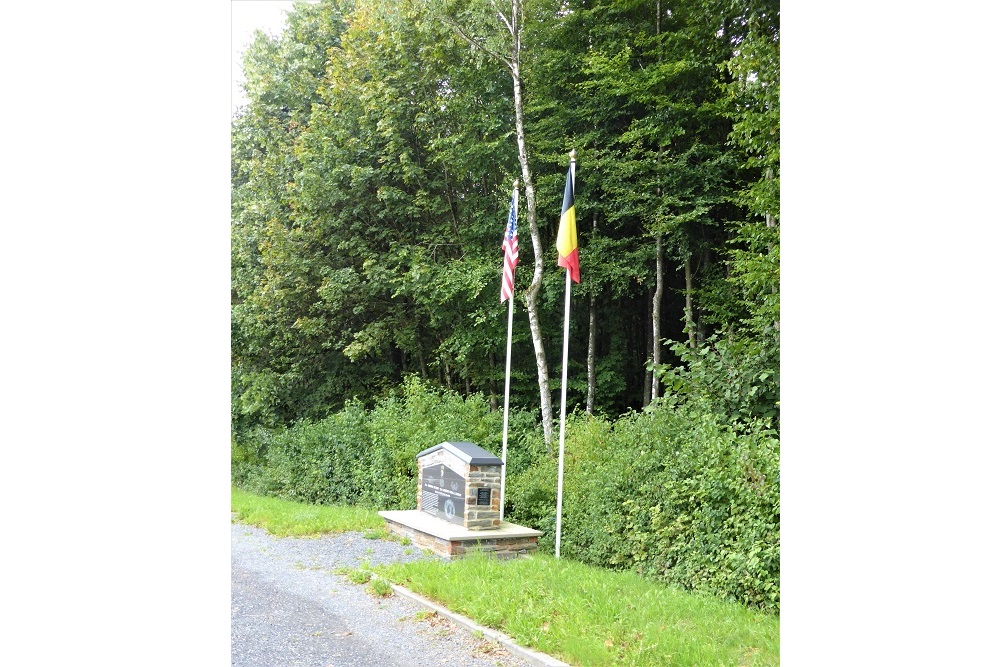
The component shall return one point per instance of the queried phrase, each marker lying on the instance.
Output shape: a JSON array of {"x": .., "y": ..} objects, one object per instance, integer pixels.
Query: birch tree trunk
[
  {"x": 769, "y": 221},
  {"x": 647, "y": 386},
  {"x": 531, "y": 298},
  {"x": 654, "y": 389},
  {"x": 513, "y": 63},
  {"x": 688, "y": 303},
  {"x": 592, "y": 345},
  {"x": 657, "y": 300}
]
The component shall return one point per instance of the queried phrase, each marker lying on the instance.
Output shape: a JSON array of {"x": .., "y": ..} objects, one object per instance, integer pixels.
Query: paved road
[{"x": 290, "y": 608}]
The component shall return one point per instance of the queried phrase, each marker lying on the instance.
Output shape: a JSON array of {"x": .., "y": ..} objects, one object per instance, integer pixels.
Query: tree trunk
[
  {"x": 688, "y": 303},
  {"x": 647, "y": 387},
  {"x": 657, "y": 300},
  {"x": 494, "y": 403},
  {"x": 513, "y": 26},
  {"x": 769, "y": 221},
  {"x": 768, "y": 218},
  {"x": 592, "y": 346},
  {"x": 706, "y": 257},
  {"x": 531, "y": 298}
]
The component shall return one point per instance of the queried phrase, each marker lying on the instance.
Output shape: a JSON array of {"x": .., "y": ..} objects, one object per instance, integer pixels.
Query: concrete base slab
[{"x": 508, "y": 540}]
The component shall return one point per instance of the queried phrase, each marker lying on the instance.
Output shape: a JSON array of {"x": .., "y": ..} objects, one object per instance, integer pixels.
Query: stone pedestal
[
  {"x": 448, "y": 540},
  {"x": 458, "y": 505}
]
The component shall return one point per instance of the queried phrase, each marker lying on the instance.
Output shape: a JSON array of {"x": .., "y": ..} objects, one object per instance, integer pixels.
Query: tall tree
[
  {"x": 369, "y": 193},
  {"x": 477, "y": 24},
  {"x": 275, "y": 368}
]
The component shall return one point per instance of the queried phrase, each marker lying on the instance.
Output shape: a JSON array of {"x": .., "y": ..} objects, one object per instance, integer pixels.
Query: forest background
[{"x": 365, "y": 229}]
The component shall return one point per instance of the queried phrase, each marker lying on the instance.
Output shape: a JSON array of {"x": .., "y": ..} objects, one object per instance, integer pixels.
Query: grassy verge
[
  {"x": 286, "y": 518},
  {"x": 581, "y": 614},
  {"x": 591, "y": 616}
]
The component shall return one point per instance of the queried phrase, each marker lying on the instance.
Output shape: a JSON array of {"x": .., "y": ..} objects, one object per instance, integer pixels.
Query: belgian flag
[{"x": 569, "y": 251}]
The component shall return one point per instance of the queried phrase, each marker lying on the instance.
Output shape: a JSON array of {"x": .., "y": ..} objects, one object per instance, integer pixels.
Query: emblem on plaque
[{"x": 443, "y": 493}]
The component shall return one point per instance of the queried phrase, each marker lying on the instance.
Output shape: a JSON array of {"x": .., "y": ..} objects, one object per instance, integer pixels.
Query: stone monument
[{"x": 458, "y": 505}]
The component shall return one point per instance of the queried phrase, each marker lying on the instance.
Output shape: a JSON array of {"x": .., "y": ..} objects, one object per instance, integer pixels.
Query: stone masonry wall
[
  {"x": 482, "y": 517},
  {"x": 420, "y": 486},
  {"x": 502, "y": 548}
]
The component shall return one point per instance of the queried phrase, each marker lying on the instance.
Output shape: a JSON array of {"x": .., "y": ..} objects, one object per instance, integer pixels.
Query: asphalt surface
[{"x": 290, "y": 607}]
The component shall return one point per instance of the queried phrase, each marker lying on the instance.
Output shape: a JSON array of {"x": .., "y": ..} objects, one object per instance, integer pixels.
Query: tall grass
[
  {"x": 287, "y": 518},
  {"x": 586, "y": 615}
]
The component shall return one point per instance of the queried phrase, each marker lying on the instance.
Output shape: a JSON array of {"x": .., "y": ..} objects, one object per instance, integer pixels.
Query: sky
[{"x": 247, "y": 17}]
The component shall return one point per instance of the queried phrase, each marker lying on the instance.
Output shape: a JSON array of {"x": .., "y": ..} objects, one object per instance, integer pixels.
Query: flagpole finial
[
  {"x": 517, "y": 183},
  {"x": 572, "y": 154}
]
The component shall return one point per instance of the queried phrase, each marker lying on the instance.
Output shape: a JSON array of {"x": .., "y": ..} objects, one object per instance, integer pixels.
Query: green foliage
[
  {"x": 368, "y": 457},
  {"x": 372, "y": 167},
  {"x": 416, "y": 417},
  {"x": 365, "y": 230},
  {"x": 675, "y": 494},
  {"x": 242, "y": 460},
  {"x": 735, "y": 378},
  {"x": 379, "y": 588},
  {"x": 309, "y": 463},
  {"x": 531, "y": 499}
]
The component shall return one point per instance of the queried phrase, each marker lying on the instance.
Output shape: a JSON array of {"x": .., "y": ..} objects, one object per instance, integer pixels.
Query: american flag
[{"x": 509, "y": 251}]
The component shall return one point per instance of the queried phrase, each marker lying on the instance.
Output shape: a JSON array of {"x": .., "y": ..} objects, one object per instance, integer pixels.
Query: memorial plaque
[
  {"x": 456, "y": 483},
  {"x": 442, "y": 493}
]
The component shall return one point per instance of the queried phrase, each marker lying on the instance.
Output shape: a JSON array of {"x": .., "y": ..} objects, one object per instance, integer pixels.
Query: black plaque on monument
[
  {"x": 443, "y": 493},
  {"x": 483, "y": 496}
]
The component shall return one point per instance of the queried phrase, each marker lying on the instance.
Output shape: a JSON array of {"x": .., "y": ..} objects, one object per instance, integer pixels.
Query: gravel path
[{"x": 290, "y": 608}]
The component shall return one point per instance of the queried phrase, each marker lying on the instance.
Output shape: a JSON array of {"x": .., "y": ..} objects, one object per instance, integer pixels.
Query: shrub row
[
  {"x": 676, "y": 495},
  {"x": 369, "y": 457},
  {"x": 673, "y": 493}
]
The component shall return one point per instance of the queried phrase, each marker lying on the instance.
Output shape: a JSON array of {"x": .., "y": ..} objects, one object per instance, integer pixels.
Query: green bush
[
  {"x": 531, "y": 499},
  {"x": 736, "y": 377},
  {"x": 675, "y": 494},
  {"x": 369, "y": 458},
  {"x": 243, "y": 459},
  {"x": 415, "y": 418},
  {"x": 311, "y": 462}
]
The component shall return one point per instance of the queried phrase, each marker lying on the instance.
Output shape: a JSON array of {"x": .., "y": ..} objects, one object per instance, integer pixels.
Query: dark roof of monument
[{"x": 469, "y": 452}]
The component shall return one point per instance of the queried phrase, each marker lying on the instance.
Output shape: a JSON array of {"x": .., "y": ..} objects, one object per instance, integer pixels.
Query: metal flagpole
[
  {"x": 506, "y": 389},
  {"x": 565, "y": 364}
]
